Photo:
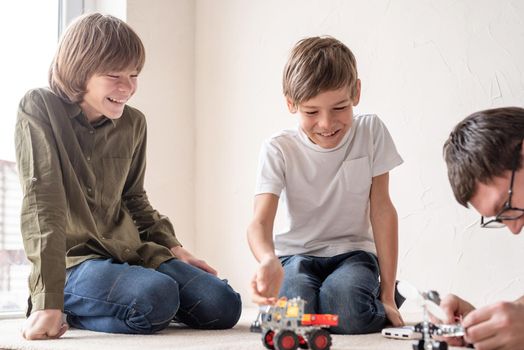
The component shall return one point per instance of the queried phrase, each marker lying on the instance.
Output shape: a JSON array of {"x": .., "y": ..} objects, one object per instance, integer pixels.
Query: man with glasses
[{"x": 484, "y": 155}]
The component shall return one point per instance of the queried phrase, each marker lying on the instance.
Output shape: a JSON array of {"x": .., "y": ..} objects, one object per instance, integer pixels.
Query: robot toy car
[{"x": 285, "y": 326}]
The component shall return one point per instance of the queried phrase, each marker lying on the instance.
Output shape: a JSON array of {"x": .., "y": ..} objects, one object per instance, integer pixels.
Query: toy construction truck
[{"x": 284, "y": 326}]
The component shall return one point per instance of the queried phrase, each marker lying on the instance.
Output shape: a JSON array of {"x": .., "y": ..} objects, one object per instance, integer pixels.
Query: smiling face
[
  {"x": 106, "y": 94},
  {"x": 489, "y": 199},
  {"x": 327, "y": 117}
]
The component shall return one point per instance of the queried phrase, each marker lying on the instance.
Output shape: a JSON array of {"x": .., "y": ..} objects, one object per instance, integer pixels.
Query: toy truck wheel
[
  {"x": 319, "y": 339},
  {"x": 268, "y": 339},
  {"x": 286, "y": 340}
]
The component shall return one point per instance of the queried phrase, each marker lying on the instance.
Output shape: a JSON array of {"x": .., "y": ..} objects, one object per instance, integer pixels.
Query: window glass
[{"x": 29, "y": 36}]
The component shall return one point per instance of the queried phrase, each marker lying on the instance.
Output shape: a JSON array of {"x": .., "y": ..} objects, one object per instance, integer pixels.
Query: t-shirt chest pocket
[{"x": 356, "y": 175}]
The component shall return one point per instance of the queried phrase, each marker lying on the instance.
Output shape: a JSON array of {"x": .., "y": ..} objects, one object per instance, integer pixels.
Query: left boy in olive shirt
[{"x": 100, "y": 252}]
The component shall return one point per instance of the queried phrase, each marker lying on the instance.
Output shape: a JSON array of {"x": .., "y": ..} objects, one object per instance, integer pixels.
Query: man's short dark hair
[{"x": 482, "y": 147}]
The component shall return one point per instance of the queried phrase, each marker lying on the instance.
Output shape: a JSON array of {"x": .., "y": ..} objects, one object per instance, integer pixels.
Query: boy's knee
[
  {"x": 231, "y": 304},
  {"x": 155, "y": 305},
  {"x": 359, "y": 312}
]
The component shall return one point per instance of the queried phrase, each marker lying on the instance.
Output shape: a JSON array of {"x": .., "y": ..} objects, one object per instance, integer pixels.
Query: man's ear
[
  {"x": 356, "y": 99},
  {"x": 291, "y": 106}
]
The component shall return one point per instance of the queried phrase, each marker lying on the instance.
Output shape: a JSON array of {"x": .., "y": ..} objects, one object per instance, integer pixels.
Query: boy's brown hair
[
  {"x": 93, "y": 44},
  {"x": 481, "y": 147},
  {"x": 316, "y": 65}
]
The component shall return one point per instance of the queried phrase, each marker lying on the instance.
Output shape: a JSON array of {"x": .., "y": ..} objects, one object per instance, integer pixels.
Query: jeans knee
[
  {"x": 230, "y": 305},
  {"x": 155, "y": 306},
  {"x": 358, "y": 312}
]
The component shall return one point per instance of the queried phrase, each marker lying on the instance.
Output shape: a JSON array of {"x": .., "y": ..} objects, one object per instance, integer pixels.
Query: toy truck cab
[{"x": 284, "y": 326}]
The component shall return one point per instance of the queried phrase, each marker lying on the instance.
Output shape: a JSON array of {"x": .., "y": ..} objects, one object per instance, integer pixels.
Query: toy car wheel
[
  {"x": 268, "y": 339},
  {"x": 319, "y": 339},
  {"x": 286, "y": 340}
]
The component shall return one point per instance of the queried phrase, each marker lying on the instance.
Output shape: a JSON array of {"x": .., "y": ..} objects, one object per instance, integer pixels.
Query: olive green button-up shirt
[{"x": 84, "y": 195}]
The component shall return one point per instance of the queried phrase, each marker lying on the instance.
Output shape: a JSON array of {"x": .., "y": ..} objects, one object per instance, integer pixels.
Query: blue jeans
[
  {"x": 105, "y": 296},
  {"x": 346, "y": 285}
]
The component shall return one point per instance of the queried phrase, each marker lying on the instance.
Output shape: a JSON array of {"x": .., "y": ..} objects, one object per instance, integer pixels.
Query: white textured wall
[
  {"x": 166, "y": 96},
  {"x": 424, "y": 66}
]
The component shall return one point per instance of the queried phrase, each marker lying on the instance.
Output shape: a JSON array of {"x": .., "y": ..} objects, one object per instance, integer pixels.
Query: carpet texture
[{"x": 176, "y": 337}]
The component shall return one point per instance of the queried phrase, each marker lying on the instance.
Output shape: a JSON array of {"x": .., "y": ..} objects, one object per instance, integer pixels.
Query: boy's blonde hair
[
  {"x": 316, "y": 65},
  {"x": 93, "y": 44}
]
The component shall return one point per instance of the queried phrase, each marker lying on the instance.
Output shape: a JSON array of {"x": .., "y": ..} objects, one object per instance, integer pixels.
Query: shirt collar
[
  {"x": 306, "y": 141},
  {"x": 74, "y": 111}
]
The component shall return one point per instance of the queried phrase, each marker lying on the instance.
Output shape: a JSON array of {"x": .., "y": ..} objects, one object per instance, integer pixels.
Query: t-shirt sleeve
[
  {"x": 270, "y": 173},
  {"x": 385, "y": 155}
]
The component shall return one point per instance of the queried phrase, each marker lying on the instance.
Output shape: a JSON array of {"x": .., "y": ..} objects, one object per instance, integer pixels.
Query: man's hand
[
  {"x": 267, "y": 281},
  {"x": 183, "y": 255},
  {"x": 499, "y": 326},
  {"x": 44, "y": 324},
  {"x": 455, "y": 309}
]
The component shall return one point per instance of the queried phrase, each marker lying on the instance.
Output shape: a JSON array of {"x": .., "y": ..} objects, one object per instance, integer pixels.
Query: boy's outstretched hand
[
  {"x": 183, "y": 255},
  {"x": 267, "y": 281},
  {"x": 44, "y": 324}
]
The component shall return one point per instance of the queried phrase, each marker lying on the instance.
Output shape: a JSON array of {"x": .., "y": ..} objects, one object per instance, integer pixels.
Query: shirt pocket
[{"x": 356, "y": 174}]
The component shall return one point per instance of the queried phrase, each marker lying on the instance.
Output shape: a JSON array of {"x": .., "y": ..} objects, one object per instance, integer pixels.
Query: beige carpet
[{"x": 179, "y": 338}]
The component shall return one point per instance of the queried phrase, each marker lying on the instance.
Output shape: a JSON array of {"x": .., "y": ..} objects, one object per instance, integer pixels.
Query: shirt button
[
  {"x": 33, "y": 179},
  {"x": 91, "y": 132},
  {"x": 88, "y": 158},
  {"x": 89, "y": 189}
]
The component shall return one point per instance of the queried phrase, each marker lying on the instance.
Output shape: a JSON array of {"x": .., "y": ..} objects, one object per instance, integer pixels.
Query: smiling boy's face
[
  {"x": 327, "y": 117},
  {"x": 108, "y": 93}
]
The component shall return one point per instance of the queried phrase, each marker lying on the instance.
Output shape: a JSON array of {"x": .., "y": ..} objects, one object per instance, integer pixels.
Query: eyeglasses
[{"x": 507, "y": 213}]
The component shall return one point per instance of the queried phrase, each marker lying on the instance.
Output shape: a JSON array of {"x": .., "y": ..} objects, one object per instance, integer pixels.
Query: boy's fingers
[
  {"x": 397, "y": 321},
  {"x": 258, "y": 299},
  {"x": 261, "y": 283},
  {"x": 201, "y": 264},
  {"x": 63, "y": 329}
]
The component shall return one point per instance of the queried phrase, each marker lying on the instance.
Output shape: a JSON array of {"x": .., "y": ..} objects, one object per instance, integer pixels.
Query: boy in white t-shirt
[{"x": 331, "y": 177}]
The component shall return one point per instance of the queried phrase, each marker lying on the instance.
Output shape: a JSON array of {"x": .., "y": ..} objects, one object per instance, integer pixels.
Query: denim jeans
[
  {"x": 346, "y": 285},
  {"x": 105, "y": 296}
]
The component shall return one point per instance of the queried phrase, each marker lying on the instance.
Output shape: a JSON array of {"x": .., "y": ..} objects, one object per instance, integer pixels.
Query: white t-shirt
[{"x": 324, "y": 193}]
